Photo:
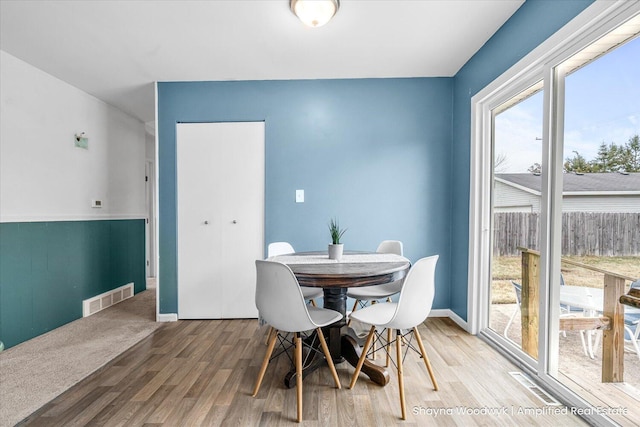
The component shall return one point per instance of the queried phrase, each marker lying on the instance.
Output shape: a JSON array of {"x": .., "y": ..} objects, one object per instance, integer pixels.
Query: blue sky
[{"x": 602, "y": 104}]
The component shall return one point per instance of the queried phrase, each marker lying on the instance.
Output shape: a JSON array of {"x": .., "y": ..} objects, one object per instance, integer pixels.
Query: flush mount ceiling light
[{"x": 315, "y": 13}]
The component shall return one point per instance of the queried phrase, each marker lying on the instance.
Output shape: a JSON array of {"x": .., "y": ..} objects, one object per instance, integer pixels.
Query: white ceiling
[{"x": 115, "y": 50}]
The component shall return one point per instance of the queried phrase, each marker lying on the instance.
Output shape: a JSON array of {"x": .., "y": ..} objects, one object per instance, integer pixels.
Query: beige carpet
[{"x": 35, "y": 372}]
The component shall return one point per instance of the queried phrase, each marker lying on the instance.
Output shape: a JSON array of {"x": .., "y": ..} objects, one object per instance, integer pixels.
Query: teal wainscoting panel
[{"x": 48, "y": 268}]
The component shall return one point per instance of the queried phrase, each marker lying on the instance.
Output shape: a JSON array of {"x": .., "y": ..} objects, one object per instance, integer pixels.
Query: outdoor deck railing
[{"x": 611, "y": 322}]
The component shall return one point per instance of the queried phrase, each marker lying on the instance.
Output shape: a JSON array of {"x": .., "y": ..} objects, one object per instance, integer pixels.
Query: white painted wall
[
  {"x": 150, "y": 147},
  {"x": 43, "y": 176},
  {"x": 150, "y": 203}
]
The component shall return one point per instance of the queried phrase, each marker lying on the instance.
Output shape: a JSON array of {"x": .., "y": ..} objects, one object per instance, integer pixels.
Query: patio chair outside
[
  {"x": 632, "y": 324},
  {"x": 565, "y": 311}
]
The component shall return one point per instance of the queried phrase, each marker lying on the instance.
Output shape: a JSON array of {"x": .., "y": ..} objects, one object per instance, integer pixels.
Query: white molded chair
[
  {"x": 632, "y": 330},
  {"x": 412, "y": 308},
  {"x": 283, "y": 248},
  {"x": 280, "y": 302},
  {"x": 517, "y": 288},
  {"x": 365, "y": 294},
  {"x": 632, "y": 323},
  {"x": 280, "y": 248}
]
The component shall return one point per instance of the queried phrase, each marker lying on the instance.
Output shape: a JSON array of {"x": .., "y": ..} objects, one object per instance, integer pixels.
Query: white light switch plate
[{"x": 299, "y": 196}]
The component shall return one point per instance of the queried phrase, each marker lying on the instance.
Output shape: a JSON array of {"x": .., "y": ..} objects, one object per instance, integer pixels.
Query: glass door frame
[{"x": 541, "y": 64}]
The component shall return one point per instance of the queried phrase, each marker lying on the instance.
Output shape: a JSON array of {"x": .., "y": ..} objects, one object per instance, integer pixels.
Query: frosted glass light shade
[{"x": 315, "y": 13}]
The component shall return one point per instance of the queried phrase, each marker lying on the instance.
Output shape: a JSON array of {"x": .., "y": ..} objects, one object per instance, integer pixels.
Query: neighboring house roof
[{"x": 613, "y": 183}]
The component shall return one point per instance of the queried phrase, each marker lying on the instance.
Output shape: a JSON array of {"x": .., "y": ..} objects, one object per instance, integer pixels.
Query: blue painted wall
[
  {"x": 374, "y": 152},
  {"x": 396, "y": 176},
  {"x": 533, "y": 23},
  {"x": 48, "y": 268}
]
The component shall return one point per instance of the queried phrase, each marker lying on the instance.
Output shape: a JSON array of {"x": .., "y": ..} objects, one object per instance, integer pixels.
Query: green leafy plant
[{"x": 336, "y": 231}]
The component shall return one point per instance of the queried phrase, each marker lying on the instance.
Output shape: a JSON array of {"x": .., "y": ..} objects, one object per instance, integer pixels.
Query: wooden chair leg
[
  {"x": 388, "y": 348},
  {"x": 268, "y": 335},
  {"x": 313, "y": 302},
  {"x": 427, "y": 364},
  {"x": 400, "y": 376},
  {"x": 363, "y": 356},
  {"x": 327, "y": 355},
  {"x": 298, "y": 360},
  {"x": 355, "y": 305},
  {"x": 273, "y": 334},
  {"x": 373, "y": 350}
]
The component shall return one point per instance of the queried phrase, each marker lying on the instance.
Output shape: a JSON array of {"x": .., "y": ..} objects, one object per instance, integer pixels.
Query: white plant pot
[{"x": 335, "y": 251}]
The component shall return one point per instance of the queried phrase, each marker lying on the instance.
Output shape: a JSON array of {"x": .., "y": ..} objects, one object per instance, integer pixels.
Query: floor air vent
[
  {"x": 100, "y": 302},
  {"x": 534, "y": 389}
]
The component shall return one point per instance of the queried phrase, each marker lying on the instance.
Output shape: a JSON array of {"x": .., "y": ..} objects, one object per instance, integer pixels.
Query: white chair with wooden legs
[
  {"x": 281, "y": 303},
  {"x": 412, "y": 308},
  {"x": 372, "y": 294},
  {"x": 310, "y": 294},
  {"x": 283, "y": 248}
]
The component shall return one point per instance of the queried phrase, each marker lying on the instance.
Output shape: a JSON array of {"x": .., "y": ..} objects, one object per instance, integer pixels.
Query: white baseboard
[
  {"x": 445, "y": 312},
  {"x": 173, "y": 317},
  {"x": 166, "y": 317}
]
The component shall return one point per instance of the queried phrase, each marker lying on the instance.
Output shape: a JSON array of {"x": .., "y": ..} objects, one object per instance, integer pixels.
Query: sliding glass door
[
  {"x": 556, "y": 217},
  {"x": 515, "y": 205},
  {"x": 599, "y": 223}
]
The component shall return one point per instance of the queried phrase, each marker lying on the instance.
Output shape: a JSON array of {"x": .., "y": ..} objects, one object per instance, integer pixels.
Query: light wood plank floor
[{"x": 201, "y": 373}]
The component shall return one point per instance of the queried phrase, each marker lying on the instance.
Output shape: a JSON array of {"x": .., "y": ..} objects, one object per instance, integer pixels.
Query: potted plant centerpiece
[{"x": 336, "y": 248}]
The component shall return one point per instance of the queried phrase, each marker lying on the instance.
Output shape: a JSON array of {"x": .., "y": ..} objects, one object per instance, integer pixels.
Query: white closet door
[{"x": 220, "y": 192}]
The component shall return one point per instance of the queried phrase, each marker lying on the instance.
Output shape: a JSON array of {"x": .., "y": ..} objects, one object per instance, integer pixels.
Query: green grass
[{"x": 506, "y": 269}]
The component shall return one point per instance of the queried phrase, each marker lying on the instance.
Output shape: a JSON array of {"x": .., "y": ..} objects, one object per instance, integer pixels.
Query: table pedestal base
[
  {"x": 351, "y": 351},
  {"x": 341, "y": 342}
]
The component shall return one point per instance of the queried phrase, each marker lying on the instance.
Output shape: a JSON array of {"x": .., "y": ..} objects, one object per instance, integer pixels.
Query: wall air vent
[
  {"x": 100, "y": 302},
  {"x": 534, "y": 389}
]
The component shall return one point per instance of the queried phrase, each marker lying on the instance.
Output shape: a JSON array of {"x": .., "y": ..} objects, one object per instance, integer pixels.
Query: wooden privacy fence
[{"x": 583, "y": 233}]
